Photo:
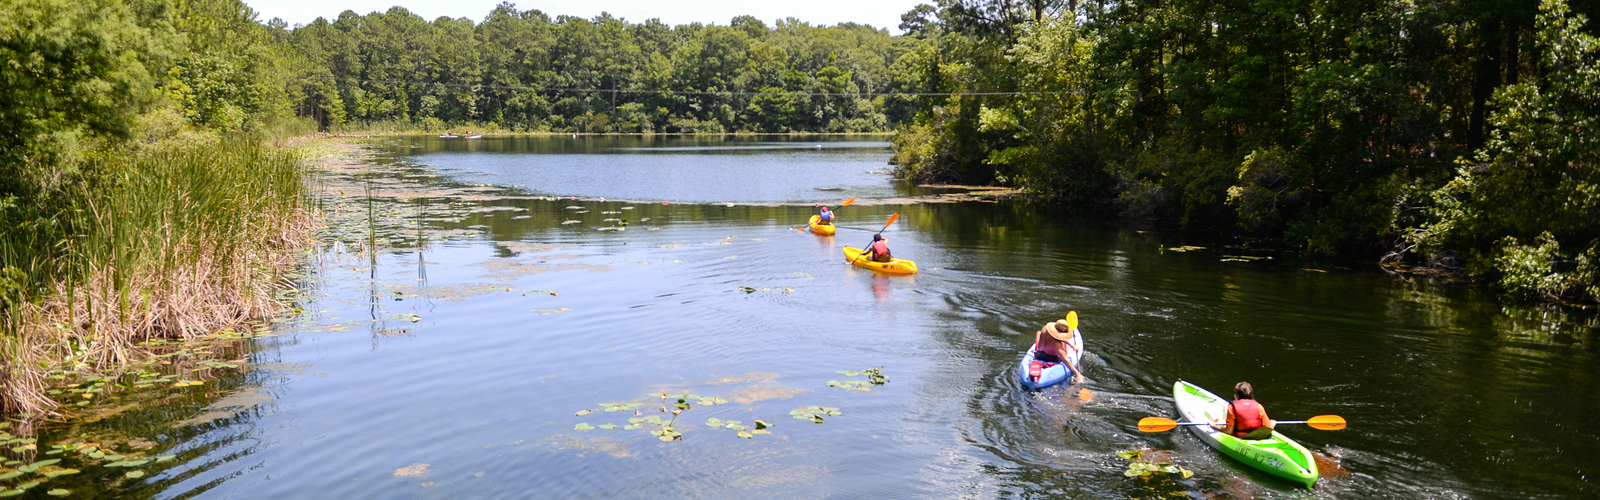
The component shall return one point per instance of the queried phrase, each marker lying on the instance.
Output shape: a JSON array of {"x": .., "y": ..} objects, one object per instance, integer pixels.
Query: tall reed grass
[{"x": 167, "y": 241}]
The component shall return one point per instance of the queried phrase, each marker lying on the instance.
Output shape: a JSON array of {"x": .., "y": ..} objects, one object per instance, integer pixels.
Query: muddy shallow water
[{"x": 452, "y": 330}]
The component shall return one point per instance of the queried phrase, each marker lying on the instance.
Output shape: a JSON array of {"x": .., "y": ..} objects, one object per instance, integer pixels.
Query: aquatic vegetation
[
  {"x": 17, "y": 477},
  {"x": 874, "y": 377},
  {"x": 814, "y": 413},
  {"x": 1141, "y": 466}
]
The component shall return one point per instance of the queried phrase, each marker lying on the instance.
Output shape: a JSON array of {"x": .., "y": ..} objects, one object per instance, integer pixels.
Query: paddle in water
[
  {"x": 846, "y": 203},
  {"x": 892, "y": 217},
  {"x": 1323, "y": 422}
]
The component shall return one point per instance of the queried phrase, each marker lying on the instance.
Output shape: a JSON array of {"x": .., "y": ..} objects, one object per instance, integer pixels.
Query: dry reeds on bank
[{"x": 172, "y": 242}]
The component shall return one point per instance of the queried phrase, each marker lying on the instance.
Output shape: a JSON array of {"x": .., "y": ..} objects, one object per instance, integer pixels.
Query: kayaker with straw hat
[{"x": 1054, "y": 342}]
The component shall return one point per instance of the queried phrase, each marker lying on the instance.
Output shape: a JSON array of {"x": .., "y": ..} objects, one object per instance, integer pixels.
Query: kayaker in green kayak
[{"x": 1246, "y": 419}]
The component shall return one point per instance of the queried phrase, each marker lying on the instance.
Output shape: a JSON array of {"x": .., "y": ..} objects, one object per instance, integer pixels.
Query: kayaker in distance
[
  {"x": 1246, "y": 419},
  {"x": 878, "y": 251},
  {"x": 1054, "y": 343},
  {"x": 827, "y": 217}
]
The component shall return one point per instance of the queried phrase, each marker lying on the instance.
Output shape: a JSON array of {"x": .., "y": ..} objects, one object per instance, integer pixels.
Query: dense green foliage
[
  {"x": 1451, "y": 131},
  {"x": 136, "y": 199},
  {"x": 523, "y": 71}
]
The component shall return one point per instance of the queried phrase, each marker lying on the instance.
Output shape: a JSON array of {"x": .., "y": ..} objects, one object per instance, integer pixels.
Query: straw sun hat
[{"x": 1059, "y": 329}]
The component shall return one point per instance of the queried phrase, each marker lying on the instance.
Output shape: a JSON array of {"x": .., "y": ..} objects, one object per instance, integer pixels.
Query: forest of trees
[
  {"x": 524, "y": 71},
  {"x": 1454, "y": 134}
]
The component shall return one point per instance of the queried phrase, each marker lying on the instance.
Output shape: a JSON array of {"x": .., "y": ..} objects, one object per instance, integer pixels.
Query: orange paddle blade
[
  {"x": 1072, "y": 319},
  {"x": 847, "y": 202},
  {"x": 1326, "y": 422},
  {"x": 892, "y": 218},
  {"x": 1156, "y": 424}
]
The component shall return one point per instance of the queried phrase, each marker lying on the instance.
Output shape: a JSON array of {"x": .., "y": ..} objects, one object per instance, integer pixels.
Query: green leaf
[
  {"x": 745, "y": 435},
  {"x": 59, "y": 472},
  {"x": 11, "y": 474},
  {"x": 584, "y": 412},
  {"x": 583, "y": 426},
  {"x": 666, "y": 438},
  {"x": 760, "y": 432},
  {"x": 714, "y": 422},
  {"x": 164, "y": 458},
  {"x": 630, "y": 427},
  {"x": 134, "y": 474},
  {"x": 9, "y": 493},
  {"x": 608, "y": 426},
  {"x": 762, "y": 425},
  {"x": 43, "y": 463},
  {"x": 58, "y": 492}
]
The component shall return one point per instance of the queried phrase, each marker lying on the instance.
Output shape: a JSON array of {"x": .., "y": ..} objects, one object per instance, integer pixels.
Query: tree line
[
  {"x": 523, "y": 70},
  {"x": 1452, "y": 134}
]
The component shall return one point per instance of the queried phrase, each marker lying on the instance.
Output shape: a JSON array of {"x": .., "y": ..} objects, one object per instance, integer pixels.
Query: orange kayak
[
  {"x": 818, "y": 227},
  {"x": 899, "y": 267}
]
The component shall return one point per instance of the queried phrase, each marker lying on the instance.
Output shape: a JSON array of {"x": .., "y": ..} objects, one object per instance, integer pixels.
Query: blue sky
[{"x": 878, "y": 13}]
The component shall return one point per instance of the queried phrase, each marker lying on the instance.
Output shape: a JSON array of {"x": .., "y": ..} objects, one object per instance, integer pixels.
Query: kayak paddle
[
  {"x": 846, "y": 203},
  {"x": 1324, "y": 422},
  {"x": 892, "y": 217}
]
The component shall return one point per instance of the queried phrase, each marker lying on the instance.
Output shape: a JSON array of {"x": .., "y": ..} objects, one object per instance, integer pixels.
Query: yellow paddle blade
[
  {"x": 1326, "y": 422},
  {"x": 1156, "y": 424},
  {"x": 847, "y": 202},
  {"x": 1072, "y": 320}
]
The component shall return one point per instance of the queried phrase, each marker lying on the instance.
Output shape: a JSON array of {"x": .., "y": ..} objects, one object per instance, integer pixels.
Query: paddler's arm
[
  {"x": 1066, "y": 348},
  {"x": 1227, "y": 426}
]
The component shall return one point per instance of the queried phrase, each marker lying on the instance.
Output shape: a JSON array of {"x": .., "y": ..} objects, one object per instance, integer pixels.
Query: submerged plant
[
  {"x": 874, "y": 377},
  {"x": 1140, "y": 466}
]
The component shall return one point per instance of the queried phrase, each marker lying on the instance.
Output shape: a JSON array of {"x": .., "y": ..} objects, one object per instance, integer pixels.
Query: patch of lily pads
[
  {"x": 17, "y": 478},
  {"x": 815, "y": 413},
  {"x": 874, "y": 377}
]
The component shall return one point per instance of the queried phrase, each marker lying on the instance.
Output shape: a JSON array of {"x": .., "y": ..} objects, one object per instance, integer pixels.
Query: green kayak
[{"x": 1278, "y": 455}]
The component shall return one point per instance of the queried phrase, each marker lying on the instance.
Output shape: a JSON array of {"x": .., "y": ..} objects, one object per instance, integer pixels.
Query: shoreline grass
[{"x": 166, "y": 241}]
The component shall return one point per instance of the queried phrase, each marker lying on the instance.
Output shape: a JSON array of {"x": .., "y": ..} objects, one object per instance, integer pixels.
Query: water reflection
[{"x": 522, "y": 320}]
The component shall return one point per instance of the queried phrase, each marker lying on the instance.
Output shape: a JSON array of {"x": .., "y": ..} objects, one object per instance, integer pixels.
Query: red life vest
[
  {"x": 1246, "y": 416},
  {"x": 880, "y": 247}
]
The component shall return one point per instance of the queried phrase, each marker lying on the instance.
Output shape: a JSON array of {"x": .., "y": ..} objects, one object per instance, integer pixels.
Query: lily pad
[
  {"x": 608, "y": 426},
  {"x": 134, "y": 474},
  {"x": 58, "y": 492},
  {"x": 584, "y": 412},
  {"x": 583, "y": 426}
]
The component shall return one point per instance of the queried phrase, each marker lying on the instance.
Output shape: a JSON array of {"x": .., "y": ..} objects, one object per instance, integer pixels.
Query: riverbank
[{"x": 161, "y": 242}]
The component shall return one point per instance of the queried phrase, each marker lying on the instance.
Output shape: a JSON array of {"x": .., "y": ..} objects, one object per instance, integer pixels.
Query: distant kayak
[
  {"x": 1277, "y": 455},
  {"x": 900, "y": 267},
  {"x": 818, "y": 227},
  {"x": 1053, "y": 374}
]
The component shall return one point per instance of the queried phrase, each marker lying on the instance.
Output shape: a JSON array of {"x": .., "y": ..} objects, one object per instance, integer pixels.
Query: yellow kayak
[
  {"x": 897, "y": 266},
  {"x": 818, "y": 227}
]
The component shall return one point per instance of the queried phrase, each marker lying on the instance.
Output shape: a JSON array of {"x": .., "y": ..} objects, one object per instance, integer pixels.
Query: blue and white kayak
[{"x": 1052, "y": 373}]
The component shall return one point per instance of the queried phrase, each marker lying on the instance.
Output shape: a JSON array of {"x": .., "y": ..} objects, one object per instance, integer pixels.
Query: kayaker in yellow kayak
[
  {"x": 878, "y": 251},
  {"x": 827, "y": 216},
  {"x": 1246, "y": 418},
  {"x": 1054, "y": 343}
]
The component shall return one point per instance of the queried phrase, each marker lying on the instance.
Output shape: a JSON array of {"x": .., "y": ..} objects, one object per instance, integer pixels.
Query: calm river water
[{"x": 456, "y": 368}]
